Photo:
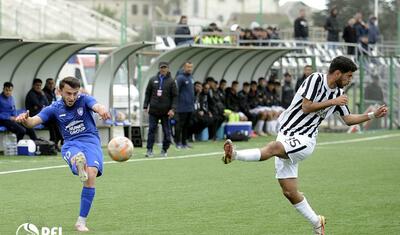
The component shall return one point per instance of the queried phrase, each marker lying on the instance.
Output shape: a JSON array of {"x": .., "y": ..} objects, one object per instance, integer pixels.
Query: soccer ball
[{"x": 120, "y": 149}]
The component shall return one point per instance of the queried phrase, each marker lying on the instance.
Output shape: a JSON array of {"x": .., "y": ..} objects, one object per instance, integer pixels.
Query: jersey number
[{"x": 293, "y": 142}]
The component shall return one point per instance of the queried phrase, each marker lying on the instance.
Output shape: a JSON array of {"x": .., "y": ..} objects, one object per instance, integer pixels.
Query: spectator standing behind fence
[
  {"x": 160, "y": 102},
  {"x": 54, "y": 131},
  {"x": 360, "y": 26},
  {"x": 183, "y": 30},
  {"x": 185, "y": 106},
  {"x": 301, "y": 26},
  {"x": 349, "y": 36},
  {"x": 307, "y": 71},
  {"x": 332, "y": 26},
  {"x": 373, "y": 31},
  {"x": 287, "y": 90},
  {"x": 8, "y": 114},
  {"x": 35, "y": 100}
]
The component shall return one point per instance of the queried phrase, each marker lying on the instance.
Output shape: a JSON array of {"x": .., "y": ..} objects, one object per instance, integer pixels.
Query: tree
[
  {"x": 105, "y": 11},
  {"x": 388, "y": 10}
]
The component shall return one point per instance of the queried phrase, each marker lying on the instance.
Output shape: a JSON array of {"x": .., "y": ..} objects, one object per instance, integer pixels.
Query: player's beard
[{"x": 69, "y": 103}]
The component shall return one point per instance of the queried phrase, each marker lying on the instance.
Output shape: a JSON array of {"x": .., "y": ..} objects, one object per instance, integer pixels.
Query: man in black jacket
[
  {"x": 301, "y": 26},
  {"x": 35, "y": 99},
  {"x": 350, "y": 36},
  {"x": 183, "y": 30},
  {"x": 287, "y": 90},
  {"x": 332, "y": 26},
  {"x": 54, "y": 131},
  {"x": 160, "y": 102}
]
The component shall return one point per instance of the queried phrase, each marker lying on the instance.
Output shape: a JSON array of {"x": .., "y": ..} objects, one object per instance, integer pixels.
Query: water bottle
[
  {"x": 5, "y": 145},
  {"x": 10, "y": 145},
  {"x": 13, "y": 145}
]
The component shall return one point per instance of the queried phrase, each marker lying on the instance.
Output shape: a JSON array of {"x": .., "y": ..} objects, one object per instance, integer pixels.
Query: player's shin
[{"x": 86, "y": 201}]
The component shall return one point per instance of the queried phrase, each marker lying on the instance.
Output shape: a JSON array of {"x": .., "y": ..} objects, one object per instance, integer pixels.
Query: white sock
[
  {"x": 259, "y": 126},
  {"x": 248, "y": 155},
  {"x": 271, "y": 126},
  {"x": 305, "y": 209},
  {"x": 81, "y": 220}
]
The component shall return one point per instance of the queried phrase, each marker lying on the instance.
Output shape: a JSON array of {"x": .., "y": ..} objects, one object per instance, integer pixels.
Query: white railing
[{"x": 39, "y": 21}]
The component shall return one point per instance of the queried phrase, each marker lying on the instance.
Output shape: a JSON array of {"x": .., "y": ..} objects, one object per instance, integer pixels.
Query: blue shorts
[{"x": 91, "y": 149}]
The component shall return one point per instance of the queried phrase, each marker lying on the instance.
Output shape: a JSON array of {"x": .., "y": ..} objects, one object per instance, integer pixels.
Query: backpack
[{"x": 45, "y": 147}]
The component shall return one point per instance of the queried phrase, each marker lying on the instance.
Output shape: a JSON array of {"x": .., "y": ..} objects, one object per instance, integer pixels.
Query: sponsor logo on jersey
[
  {"x": 80, "y": 111},
  {"x": 75, "y": 127}
]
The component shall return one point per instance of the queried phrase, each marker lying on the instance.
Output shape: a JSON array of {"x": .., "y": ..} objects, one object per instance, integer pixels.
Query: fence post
[
  {"x": 361, "y": 64},
  {"x": 391, "y": 85},
  {"x": 313, "y": 63}
]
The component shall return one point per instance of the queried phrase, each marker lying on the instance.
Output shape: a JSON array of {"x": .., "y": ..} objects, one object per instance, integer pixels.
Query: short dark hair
[
  {"x": 235, "y": 83},
  {"x": 7, "y": 85},
  {"x": 343, "y": 64},
  {"x": 49, "y": 79},
  {"x": 246, "y": 84},
  {"x": 222, "y": 81},
  {"x": 37, "y": 80},
  {"x": 308, "y": 66},
  {"x": 210, "y": 79},
  {"x": 261, "y": 78},
  {"x": 70, "y": 81},
  {"x": 253, "y": 83},
  {"x": 196, "y": 83}
]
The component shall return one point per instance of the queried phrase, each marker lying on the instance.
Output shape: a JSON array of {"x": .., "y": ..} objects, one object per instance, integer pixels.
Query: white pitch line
[
  {"x": 359, "y": 139},
  {"x": 112, "y": 162},
  {"x": 198, "y": 155}
]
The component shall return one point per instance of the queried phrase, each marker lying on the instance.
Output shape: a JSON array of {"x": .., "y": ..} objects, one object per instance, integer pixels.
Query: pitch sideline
[{"x": 198, "y": 155}]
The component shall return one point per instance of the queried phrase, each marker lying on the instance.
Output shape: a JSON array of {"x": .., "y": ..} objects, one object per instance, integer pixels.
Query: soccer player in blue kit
[{"x": 82, "y": 146}]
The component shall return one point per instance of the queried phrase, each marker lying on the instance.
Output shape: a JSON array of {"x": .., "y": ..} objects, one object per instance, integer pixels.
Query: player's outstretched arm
[
  {"x": 309, "y": 107},
  {"x": 354, "y": 119},
  {"x": 27, "y": 121},
  {"x": 102, "y": 111}
]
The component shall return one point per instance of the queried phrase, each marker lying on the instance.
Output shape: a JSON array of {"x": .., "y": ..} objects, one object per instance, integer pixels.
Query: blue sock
[{"x": 86, "y": 201}]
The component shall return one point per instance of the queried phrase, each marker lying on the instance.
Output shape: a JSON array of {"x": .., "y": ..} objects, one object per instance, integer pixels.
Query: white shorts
[{"x": 298, "y": 148}]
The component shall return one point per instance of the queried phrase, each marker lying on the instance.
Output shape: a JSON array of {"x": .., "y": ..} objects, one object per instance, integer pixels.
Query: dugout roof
[
  {"x": 21, "y": 61},
  {"x": 104, "y": 78},
  {"x": 231, "y": 63}
]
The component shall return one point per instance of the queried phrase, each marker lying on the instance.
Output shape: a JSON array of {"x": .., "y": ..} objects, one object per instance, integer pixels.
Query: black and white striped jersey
[{"x": 314, "y": 88}]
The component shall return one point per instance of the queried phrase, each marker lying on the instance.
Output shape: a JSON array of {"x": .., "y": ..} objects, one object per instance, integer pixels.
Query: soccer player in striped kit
[{"x": 319, "y": 96}]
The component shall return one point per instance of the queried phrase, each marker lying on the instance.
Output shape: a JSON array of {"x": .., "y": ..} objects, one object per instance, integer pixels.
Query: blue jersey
[{"x": 76, "y": 122}]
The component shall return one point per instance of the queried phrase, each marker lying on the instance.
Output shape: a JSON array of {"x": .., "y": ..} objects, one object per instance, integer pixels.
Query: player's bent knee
[
  {"x": 275, "y": 148},
  {"x": 92, "y": 174}
]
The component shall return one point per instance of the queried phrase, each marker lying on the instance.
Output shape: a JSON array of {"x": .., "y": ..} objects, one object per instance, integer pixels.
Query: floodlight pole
[
  {"x": 1, "y": 16},
  {"x": 124, "y": 23},
  {"x": 260, "y": 13},
  {"x": 391, "y": 92},
  {"x": 376, "y": 12},
  {"x": 398, "y": 26}
]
